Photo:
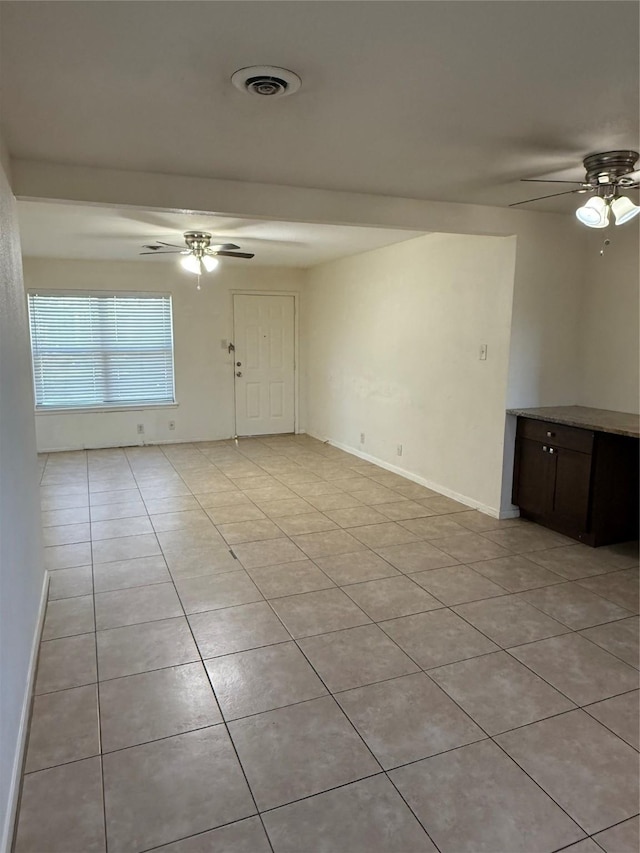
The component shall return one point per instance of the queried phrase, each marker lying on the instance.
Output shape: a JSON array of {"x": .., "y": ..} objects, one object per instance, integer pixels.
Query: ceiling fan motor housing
[
  {"x": 609, "y": 167},
  {"x": 197, "y": 241}
]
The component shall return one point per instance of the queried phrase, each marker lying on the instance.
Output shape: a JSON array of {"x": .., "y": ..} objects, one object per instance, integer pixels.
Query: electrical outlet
[
  {"x": 172, "y": 424},
  {"x": 140, "y": 429},
  {"x": 399, "y": 450},
  {"x": 361, "y": 438},
  {"x": 483, "y": 352}
]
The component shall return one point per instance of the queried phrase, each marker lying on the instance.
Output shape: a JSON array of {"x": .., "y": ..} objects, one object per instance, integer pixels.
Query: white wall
[
  {"x": 22, "y": 573},
  {"x": 609, "y": 350},
  {"x": 544, "y": 361},
  {"x": 540, "y": 366},
  {"x": 393, "y": 340},
  {"x": 544, "y": 365},
  {"x": 203, "y": 370}
]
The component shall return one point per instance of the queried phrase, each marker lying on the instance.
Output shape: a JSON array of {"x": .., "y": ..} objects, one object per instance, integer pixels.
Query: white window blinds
[{"x": 101, "y": 350}]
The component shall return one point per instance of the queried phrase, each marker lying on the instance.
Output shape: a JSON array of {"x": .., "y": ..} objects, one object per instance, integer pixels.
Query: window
[{"x": 93, "y": 350}]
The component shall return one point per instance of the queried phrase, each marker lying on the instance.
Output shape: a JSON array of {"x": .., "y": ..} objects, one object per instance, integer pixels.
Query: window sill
[{"x": 93, "y": 410}]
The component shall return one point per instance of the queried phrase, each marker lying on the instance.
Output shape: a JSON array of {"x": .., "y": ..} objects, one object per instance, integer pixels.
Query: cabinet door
[
  {"x": 571, "y": 492},
  {"x": 534, "y": 470}
]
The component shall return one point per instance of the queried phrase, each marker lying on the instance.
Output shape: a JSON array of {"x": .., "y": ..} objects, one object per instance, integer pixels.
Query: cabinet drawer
[{"x": 557, "y": 435}]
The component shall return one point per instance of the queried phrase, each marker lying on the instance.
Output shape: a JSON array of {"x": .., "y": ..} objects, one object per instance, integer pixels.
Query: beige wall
[
  {"x": 544, "y": 361},
  {"x": 407, "y": 358},
  {"x": 392, "y": 343},
  {"x": 203, "y": 370},
  {"x": 609, "y": 347},
  {"x": 22, "y": 576},
  {"x": 571, "y": 337}
]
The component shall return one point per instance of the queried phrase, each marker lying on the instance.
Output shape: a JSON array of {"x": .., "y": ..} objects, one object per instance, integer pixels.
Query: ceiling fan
[
  {"x": 606, "y": 175},
  {"x": 200, "y": 255}
]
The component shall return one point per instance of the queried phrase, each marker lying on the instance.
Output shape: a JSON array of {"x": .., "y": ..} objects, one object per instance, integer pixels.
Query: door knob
[{"x": 239, "y": 373}]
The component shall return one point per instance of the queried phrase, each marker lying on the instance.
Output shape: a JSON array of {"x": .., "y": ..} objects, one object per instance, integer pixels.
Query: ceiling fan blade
[
  {"x": 160, "y": 253},
  {"x": 173, "y": 245},
  {"x": 226, "y": 247},
  {"x": 630, "y": 178},
  {"x": 547, "y": 181},
  {"x": 540, "y": 197},
  {"x": 236, "y": 254}
]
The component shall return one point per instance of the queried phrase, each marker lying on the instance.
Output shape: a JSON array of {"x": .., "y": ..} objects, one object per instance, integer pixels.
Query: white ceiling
[
  {"x": 433, "y": 100},
  {"x": 109, "y": 233}
]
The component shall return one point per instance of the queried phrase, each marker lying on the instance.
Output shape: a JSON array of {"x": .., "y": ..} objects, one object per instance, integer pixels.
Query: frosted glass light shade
[
  {"x": 209, "y": 262},
  {"x": 191, "y": 264},
  {"x": 594, "y": 213},
  {"x": 624, "y": 209}
]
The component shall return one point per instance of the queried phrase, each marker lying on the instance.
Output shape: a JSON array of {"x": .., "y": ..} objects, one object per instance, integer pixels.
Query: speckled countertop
[{"x": 600, "y": 420}]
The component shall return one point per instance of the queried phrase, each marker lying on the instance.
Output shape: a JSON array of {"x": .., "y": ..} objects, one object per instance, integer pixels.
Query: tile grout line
[
  {"x": 339, "y": 587},
  {"x": 95, "y": 640},
  {"x": 34, "y": 694},
  {"x": 602, "y": 648},
  {"x": 354, "y": 728},
  {"x": 348, "y": 689},
  {"x": 476, "y": 722},
  {"x": 492, "y": 739},
  {"x": 577, "y": 705},
  {"x": 335, "y": 702},
  {"x": 224, "y": 722},
  {"x": 557, "y": 619}
]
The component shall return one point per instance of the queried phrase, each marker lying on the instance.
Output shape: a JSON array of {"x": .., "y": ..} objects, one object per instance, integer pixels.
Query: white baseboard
[
  {"x": 494, "y": 512},
  {"x": 508, "y": 513},
  {"x": 71, "y": 448},
  {"x": 18, "y": 761}
]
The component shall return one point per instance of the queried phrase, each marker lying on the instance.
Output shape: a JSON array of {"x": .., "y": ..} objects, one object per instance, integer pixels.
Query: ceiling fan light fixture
[
  {"x": 624, "y": 209},
  {"x": 199, "y": 255},
  {"x": 594, "y": 213},
  {"x": 191, "y": 264},
  {"x": 209, "y": 262}
]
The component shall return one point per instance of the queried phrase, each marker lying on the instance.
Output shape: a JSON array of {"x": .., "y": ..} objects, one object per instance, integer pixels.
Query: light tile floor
[{"x": 273, "y": 645}]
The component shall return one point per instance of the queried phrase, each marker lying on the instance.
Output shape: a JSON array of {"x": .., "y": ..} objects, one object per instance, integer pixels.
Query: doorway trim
[{"x": 296, "y": 349}]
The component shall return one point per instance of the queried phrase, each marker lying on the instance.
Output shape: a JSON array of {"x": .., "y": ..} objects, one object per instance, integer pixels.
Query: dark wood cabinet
[
  {"x": 580, "y": 482},
  {"x": 571, "y": 476}
]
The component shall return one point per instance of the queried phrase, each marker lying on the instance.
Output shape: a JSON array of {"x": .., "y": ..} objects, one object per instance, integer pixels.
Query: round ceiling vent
[{"x": 267, "y": 81}]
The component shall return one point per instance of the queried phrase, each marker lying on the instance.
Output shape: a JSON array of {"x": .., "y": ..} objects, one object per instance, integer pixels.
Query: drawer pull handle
[
  {"x": 544, "y": 448},
  {"x": 551, "y": 450},
  {"x": 550, "y": 434}
]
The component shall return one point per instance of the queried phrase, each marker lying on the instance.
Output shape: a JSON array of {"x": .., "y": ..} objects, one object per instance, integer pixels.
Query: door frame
[{"x": 296, "y": 348}]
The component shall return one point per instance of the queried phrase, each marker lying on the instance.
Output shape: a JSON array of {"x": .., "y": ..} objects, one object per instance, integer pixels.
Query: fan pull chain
[
  {"x": 198, "y": 284},
  {"x": 605, "y": 245}
]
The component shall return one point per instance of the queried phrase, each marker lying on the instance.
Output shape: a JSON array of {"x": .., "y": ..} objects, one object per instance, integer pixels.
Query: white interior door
[{"x": 264, "y": 363}]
